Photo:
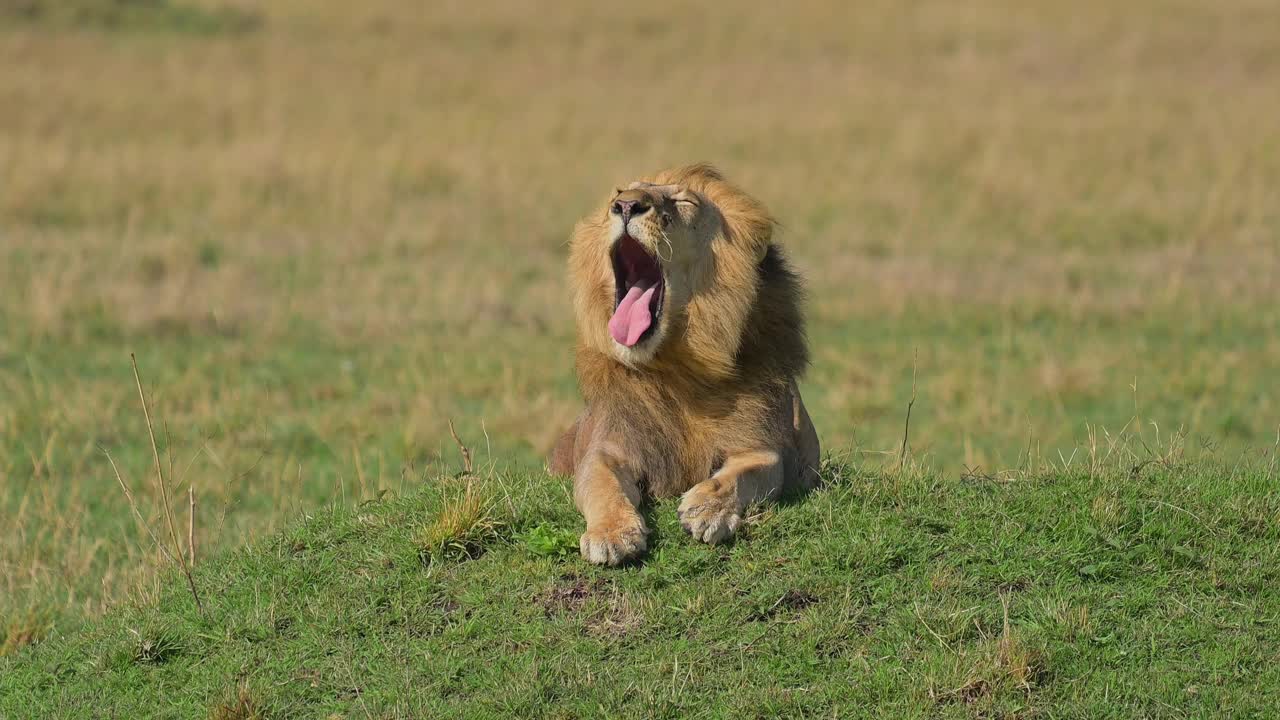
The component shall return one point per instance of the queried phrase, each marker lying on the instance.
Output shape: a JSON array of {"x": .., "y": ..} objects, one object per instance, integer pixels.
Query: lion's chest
[
  {"x": 684, "y": 462},
  {"x": 691, "y": 446}
]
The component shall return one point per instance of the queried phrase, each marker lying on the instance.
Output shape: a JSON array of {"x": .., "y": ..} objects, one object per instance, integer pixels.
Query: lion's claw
[
  {"x": 708, "y": 518},
  {"x": 612, "y": 546}
]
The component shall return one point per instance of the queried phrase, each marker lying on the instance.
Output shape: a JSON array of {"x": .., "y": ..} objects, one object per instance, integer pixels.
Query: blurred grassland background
[{"x": 326, "y": 229}]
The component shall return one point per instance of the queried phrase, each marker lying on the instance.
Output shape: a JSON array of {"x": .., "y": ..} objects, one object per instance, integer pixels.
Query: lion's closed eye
[
  {"x": 687, "y": 198},
  {"x": 677, "y": 193}
]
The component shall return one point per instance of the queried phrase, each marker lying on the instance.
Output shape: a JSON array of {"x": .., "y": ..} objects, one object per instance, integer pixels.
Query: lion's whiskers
[{"x": 671, "y": 250}]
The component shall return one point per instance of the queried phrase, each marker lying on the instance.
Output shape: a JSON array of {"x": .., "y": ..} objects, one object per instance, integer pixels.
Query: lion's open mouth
[{"x": 639, "y": 287}]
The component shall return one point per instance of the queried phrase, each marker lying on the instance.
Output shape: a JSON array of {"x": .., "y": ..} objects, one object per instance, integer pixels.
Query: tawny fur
[{"x": 713, "y": 412}]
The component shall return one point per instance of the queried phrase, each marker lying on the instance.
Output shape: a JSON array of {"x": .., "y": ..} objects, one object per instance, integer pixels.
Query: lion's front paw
[
  {"x": 613, "y": 545},
  {"x": 708, "y": 515}
]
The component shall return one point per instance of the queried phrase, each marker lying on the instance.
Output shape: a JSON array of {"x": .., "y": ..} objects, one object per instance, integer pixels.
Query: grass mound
[{"x": 1070, "y": 594}]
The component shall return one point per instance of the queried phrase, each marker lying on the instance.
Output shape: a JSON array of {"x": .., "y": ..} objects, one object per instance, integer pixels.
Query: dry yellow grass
[
  {"x": 239, "y": 704},
  {"x": 21, "y": 630},
  {"x": 461, "y": 528},
  {"x": 329, "y": 233}
]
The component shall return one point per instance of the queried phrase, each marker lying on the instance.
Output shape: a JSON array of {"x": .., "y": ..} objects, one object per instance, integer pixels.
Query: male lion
[{"x": 690, "y": 340}]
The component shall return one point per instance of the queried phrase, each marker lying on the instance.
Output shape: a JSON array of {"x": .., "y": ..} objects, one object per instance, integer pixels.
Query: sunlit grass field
[{"x": 327, "y": 230}]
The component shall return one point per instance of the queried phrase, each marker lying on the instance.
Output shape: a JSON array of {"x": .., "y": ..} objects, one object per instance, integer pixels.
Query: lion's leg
[
  {"x": 607, "y": 493},
  {"x": 561, "y": 460},
  {"x": 808, "y": 452},
  {"x": 712, "y": 510}
]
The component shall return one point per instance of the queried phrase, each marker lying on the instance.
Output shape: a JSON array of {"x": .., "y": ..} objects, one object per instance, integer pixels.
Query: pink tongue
[{"x": 632, "y": 317}]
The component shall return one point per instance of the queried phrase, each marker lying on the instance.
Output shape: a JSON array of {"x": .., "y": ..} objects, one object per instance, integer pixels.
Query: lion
[{"x": 690, "y": 340}]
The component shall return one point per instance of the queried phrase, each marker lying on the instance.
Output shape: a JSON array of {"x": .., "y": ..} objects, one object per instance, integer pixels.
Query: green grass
[
  {"x": 261, "y": 424},
  {"x": 1145, "y": 593},
  {"x": 129, "y": 16}
]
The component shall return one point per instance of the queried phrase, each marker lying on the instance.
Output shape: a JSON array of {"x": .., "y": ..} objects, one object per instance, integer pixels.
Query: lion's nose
[{"x": 628, "y": 208}]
